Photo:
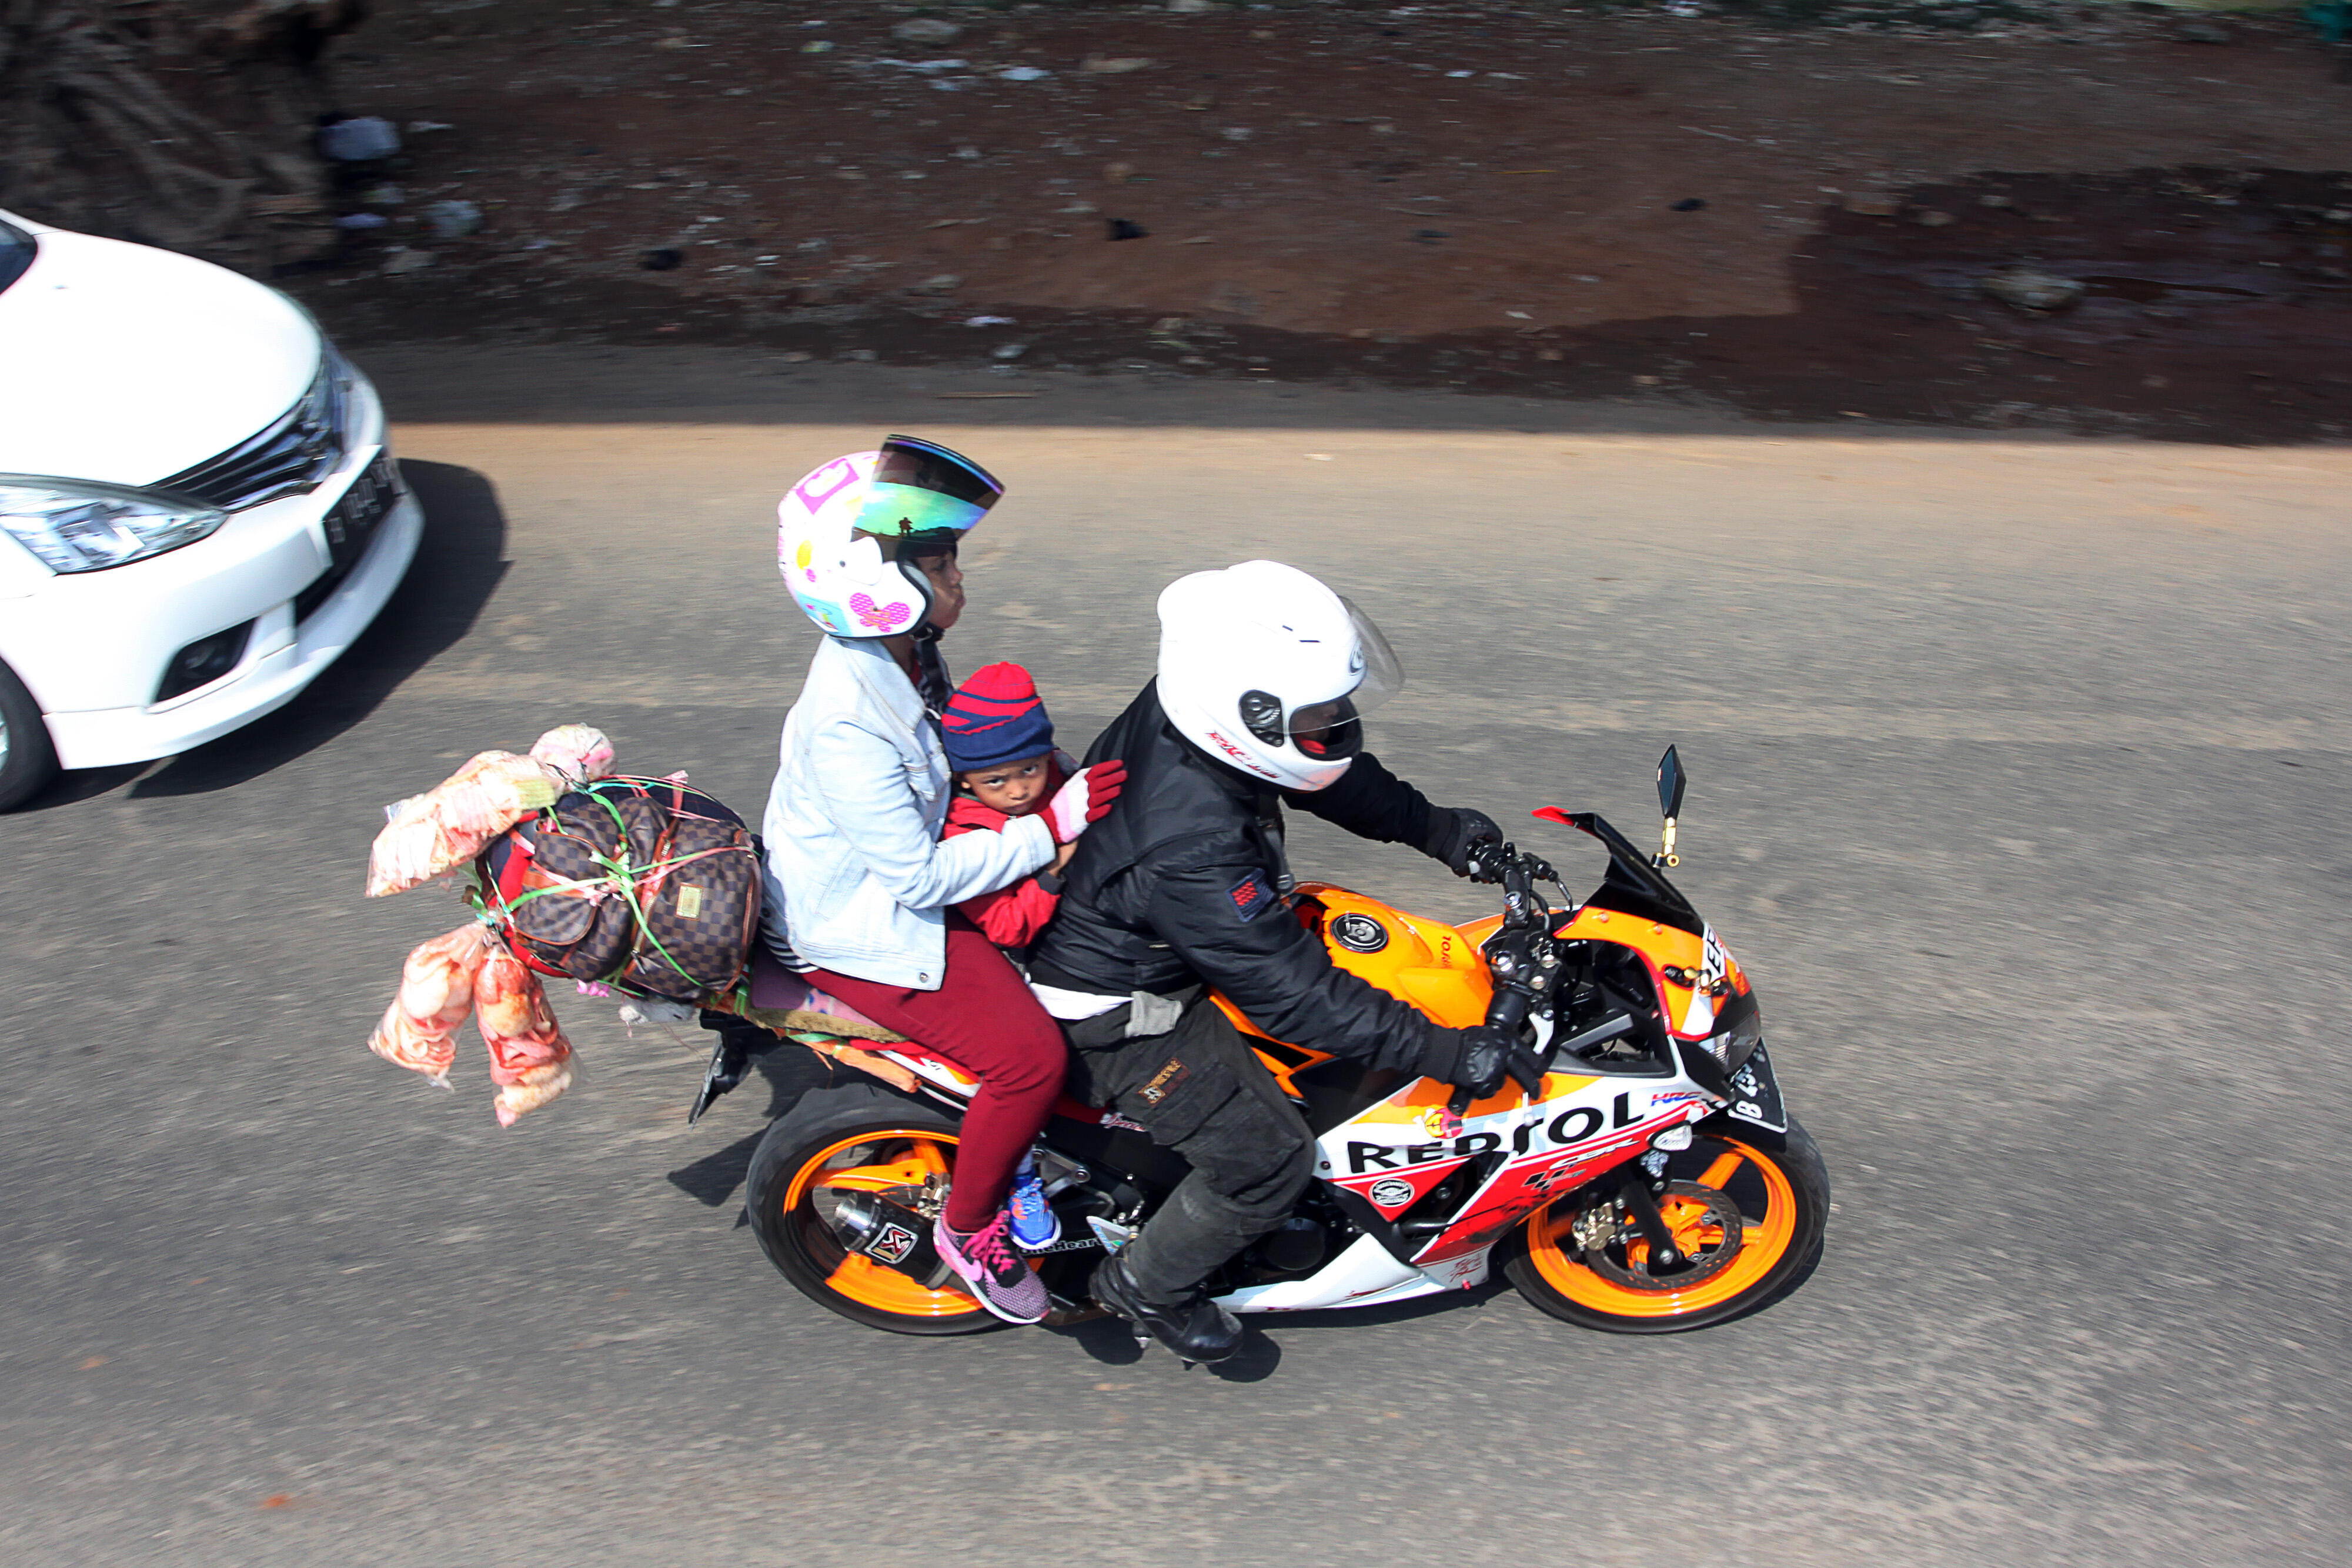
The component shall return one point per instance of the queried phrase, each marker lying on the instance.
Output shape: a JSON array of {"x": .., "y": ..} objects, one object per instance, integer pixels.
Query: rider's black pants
[{"x": 1199, "y": 1091}]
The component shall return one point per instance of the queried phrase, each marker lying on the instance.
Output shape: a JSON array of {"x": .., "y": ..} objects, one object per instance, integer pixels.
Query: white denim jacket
[{"x": 854, "y": 871}]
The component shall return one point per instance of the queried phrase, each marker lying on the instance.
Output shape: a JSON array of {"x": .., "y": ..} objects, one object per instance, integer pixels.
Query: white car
[{"x": 198, "y": 513}]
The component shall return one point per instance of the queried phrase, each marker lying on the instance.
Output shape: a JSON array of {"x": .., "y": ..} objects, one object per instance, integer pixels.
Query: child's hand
[
  {"x": 1084, "y": 799},
  {"x": 1062, "y": 858}
]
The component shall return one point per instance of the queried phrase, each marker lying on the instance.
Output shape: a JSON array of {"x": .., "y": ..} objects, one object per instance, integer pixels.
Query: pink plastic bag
[
  {"x": 455, "y": 821},
  {"x": 449, "y": 824},
  {"x": 470, "y": 970},
  {"x": 578, "y": 752},
  {"x": 419, "y": 1031},
  {"x": 529, "y": 1059}
]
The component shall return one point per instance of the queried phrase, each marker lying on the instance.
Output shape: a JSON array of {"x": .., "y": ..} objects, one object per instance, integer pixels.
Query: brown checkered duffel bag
[{"x": 642, "y": 883}]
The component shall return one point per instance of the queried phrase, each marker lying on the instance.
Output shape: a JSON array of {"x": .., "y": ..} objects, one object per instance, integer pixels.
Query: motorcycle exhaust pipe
[{"x": 893, "y": 1236}]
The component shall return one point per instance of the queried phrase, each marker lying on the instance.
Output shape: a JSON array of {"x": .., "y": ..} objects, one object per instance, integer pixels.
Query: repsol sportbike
[{"x": 1654, "y": 1182}]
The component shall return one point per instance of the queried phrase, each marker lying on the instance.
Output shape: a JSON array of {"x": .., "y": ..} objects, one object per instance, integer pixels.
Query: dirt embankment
[{"x": 1793, "y": 221}]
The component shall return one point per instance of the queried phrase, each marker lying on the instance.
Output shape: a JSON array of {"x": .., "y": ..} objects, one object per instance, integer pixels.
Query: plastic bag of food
[
  {"x": 529, "y": 1059},
  {"x": 578, "y": 751},
  {"x": 448, "y": 825},
  {"x": 419, "y": 1031}
]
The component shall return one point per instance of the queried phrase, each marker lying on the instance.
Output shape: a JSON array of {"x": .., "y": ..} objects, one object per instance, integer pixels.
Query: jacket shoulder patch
[{"x": 1252, "y": 896}]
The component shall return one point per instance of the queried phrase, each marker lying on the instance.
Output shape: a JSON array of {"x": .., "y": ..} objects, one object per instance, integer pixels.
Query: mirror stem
[{"x": 1666, "y": 857}]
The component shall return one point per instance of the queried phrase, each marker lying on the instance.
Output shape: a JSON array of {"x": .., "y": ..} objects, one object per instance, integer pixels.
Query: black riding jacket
[{"x": 1183, "y": 881}]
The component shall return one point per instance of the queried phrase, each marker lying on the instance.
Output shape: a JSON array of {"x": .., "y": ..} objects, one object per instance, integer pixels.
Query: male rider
[{"x": 1263, "y": 671}]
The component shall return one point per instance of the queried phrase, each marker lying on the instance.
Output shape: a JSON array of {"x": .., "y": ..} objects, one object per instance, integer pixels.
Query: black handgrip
[{"x": 1508, "y": 1010}]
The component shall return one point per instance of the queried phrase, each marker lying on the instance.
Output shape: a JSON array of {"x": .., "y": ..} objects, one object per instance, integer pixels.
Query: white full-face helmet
[
  {"x": 850, "y": 534},
  {"x": 1266, "y": 670}
]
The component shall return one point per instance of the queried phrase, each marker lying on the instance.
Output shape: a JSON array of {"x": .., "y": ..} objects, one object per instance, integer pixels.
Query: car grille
[{"x": 292, "y": 455}]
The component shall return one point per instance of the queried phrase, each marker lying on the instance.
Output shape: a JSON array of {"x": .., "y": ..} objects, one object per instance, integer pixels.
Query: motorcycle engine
[{"x": 1297, "y": 1246}]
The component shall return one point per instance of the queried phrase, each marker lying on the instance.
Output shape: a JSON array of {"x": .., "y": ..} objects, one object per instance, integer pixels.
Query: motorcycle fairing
[
  {"x": 1631, "y": 883},
  {"x": 1552, "y": 1143},
  {"x": 1391, "y": 1153},
  {"x": 1756, "y": 1092}
]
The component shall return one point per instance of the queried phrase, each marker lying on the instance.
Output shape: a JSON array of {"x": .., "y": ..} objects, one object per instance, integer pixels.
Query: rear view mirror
[{"x": 1670, "y": 784}]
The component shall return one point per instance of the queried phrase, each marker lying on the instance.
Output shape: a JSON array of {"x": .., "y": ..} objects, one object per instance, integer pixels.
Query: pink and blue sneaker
[
  {"x": 1034, "y": 1225},
  {"x": 997, "y": 1275}
]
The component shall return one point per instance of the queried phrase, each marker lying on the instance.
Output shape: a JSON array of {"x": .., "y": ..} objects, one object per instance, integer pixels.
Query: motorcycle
[{"x": 1655, "y": 1181}]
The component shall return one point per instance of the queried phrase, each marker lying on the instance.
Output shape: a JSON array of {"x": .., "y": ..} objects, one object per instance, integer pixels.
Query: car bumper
[
  {"x": 93, "y": 647},
  {"x": 264, "y": 681}
]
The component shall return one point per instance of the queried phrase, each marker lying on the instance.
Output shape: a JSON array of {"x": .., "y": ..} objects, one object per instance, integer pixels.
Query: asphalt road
[{"x": 2018, "y": 783}]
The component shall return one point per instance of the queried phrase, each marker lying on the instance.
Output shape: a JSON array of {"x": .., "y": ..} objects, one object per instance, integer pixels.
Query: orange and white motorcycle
[{"x": 1653, "y": 1183}]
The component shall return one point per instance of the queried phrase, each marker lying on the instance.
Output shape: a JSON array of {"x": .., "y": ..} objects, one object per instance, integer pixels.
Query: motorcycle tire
[
  {"x": 879, "y": 1140},
  {"x": 1776, "y": 1181}
]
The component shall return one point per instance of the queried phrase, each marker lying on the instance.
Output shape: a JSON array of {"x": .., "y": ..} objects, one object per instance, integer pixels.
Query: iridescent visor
[
  {"x": 895, "y": 511},
  {"x": 922, "y": 487}
]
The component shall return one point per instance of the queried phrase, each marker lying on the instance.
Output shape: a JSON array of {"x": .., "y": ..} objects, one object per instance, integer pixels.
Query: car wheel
[{"x": 27, "y": 760}]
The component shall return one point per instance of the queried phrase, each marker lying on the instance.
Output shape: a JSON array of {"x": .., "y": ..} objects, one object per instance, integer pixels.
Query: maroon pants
[{"x": 984, "y": 1019}]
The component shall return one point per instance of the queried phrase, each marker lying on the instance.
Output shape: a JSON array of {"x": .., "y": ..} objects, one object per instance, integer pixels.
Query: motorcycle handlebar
[{"x": 1507, "y": 1012}]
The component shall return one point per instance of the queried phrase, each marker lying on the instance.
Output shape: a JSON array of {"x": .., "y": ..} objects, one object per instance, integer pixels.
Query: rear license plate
[{"x": 350, "y": 521}]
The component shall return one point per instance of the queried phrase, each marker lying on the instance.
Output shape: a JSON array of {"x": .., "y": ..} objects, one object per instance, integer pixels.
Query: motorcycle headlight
[
  {"x": 72, "y": 525},
  {"x": 1740, "y": 1037}
]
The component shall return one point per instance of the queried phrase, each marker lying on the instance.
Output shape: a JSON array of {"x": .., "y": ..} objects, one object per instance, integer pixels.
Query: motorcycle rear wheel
[
  {"x": 853, "y": 1137},
  {"x": 1781, "y": 1190}
]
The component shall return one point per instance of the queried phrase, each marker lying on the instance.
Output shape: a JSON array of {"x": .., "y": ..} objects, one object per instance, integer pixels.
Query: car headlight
[{"x": 73, "y": 525}]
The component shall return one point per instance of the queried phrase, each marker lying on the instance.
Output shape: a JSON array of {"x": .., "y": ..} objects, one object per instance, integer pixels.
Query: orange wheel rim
[
  {"x": 898, "y": 1157},
  {"x": 1764, "y": 1242}
]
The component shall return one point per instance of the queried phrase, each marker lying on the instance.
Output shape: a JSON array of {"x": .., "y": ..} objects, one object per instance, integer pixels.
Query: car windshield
[{"x": 16, "y": 249}]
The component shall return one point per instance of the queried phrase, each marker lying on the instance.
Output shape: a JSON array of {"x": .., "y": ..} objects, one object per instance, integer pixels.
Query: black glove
[
  {"x": 1478, "y": 1059},
  {"x": 1451, "y": 831}
]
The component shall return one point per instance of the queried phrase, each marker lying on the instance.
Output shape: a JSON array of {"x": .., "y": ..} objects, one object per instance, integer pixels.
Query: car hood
[{"x": 127, "y": 365}]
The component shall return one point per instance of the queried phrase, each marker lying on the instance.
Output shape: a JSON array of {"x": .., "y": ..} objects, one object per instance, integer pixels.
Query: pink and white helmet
[{"x": 842, "y": 532}]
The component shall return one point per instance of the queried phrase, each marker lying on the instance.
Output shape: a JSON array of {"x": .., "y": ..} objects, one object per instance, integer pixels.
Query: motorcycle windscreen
[
  {"x": 922, "y": 487},
  {"x": 1335, "y": 728}
]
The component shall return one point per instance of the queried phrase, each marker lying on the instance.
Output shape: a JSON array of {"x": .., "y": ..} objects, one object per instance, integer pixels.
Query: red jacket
[{"x": 1010, "y": 916}]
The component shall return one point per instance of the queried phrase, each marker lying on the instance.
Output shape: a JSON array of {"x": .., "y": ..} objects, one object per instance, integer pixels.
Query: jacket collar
[{"x": 873, "y": 668}]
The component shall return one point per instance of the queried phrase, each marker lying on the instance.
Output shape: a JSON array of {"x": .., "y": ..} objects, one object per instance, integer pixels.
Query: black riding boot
[{"x": 1195, "y": 1327}]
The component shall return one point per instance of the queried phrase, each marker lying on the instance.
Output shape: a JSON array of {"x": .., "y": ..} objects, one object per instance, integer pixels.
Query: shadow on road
[
  {"x": 81, "y": 784},
  {"x": 459, "y": 562},
  {"x": 790, "y": 1072}
]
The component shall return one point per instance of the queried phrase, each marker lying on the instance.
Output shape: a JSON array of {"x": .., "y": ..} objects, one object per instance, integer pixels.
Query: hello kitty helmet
[{"x": 848, "y": 535}]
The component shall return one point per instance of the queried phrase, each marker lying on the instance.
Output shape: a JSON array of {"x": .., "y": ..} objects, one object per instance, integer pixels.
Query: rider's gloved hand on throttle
[
  {"x": 1482, "y": 1056},
  {"x": 1084, "y": 799},
  {"x": 1451, "y": 831}
]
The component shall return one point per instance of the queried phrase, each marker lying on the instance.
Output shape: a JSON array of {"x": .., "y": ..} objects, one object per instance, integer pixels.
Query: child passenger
[{"x": 1000, "y": 746}]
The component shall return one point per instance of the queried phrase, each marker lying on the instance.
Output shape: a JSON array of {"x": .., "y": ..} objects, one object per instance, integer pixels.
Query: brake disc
[{"x": 1603, "y": 1236}]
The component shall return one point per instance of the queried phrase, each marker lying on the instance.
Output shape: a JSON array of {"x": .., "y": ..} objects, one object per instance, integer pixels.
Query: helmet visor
[
  {"x": 1334, "y": 728},
  {"x": 1383, "y": 675},
  {"x": 1326, "y": 730},
  {"x": 921, "y": 488}
]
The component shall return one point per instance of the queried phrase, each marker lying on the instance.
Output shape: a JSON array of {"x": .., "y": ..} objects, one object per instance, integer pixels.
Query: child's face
[{"x": 1015, "y": 788}]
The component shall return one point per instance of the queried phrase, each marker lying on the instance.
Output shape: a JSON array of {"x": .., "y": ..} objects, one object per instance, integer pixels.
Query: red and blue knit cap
[{"x": 995, "y": 716}]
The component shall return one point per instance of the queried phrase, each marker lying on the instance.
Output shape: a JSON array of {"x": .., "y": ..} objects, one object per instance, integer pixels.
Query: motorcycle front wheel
[
  {"x": 1749, "y": 1210},
  {"x": 847, "y": 1139}
]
